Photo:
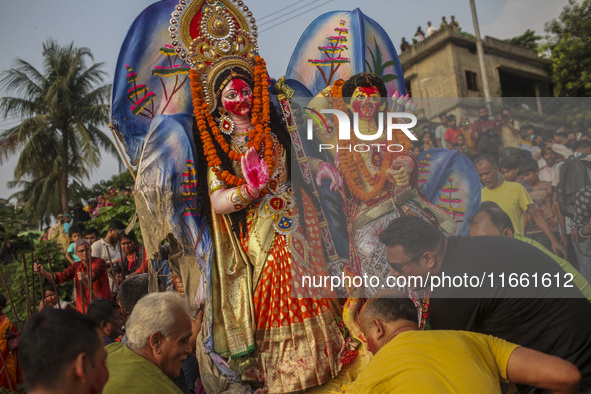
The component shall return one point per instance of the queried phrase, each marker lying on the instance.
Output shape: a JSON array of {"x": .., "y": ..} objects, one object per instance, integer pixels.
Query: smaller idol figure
[{"x": 380, "y": 176}]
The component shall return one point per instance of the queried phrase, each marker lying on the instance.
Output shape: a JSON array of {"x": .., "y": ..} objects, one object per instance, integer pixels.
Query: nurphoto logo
[{"x": 344, "y": 129}]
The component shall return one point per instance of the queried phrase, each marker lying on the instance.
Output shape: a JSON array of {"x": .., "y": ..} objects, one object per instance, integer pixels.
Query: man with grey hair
[
  {"x": 158, "y": 341},
  {"x": 98, "y": 280}
]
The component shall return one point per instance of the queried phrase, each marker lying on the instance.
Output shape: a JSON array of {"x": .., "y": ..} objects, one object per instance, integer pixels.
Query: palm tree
[
  {"x": 42, "y": 193},
  {"x": 62, "y": 109}
]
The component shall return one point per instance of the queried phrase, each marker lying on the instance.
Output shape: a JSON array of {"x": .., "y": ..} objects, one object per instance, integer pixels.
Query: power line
[
  {"x": 275, "y": 12},
  {"x": 287, "y": 13},
  {"x": 295, "y": 16}
]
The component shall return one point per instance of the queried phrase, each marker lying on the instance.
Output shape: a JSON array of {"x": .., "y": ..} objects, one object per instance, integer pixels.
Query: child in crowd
[
  {"x": 460, "y": 145},
  {"x": 451, "y": 134},
  {"x": 509, "y": 166},
  {"x": 75, "y": 234},
  {"x": 541, "y": 194},
  {"x": 67, "y": 222},
  {"x": 50, "y": 300},
  {"x": 101, "y": 202},
  {"x": 428, "y": 141},
  {"x": 112, "y": 192}
]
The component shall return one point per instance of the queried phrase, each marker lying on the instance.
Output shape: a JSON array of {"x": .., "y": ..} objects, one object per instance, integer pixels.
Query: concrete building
[{"x": 445, "y": 65}]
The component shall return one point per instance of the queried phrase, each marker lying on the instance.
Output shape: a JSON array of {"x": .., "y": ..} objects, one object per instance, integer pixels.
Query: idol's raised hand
[
  {"x": 398, "y": 174},
  {"x": 255, "y": 171},
  {"x": 326, "y": 171}
]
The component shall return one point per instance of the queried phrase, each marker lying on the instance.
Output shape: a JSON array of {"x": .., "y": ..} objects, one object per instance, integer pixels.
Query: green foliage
[
  {"x": 42, "y": 197},
  {"x": 378, "y": 67},
  {"x": 528, "y": 40},
  {"x": 15, "y": 226},
  {"x": 13, "y": 223},
  {"x": 62, "y": 107},
  {"x": 122, "y": 209},
  {"x": 81, "y": 193},
  {"x": 465, "y": 33},
  {"x": 19, "y": 390},
  {"x": 570, "y": 45},
  {"x": 15, "y": 277}
]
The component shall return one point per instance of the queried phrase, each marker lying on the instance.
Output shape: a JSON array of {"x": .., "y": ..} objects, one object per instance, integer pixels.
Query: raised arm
[
  {"x": 527, "y": 366},
  {"x": 41, "y": 270},
  {"x": 536, "y": 217},
  {"x": 256, "y": 174},
  {"x": 225, "y": 201}
]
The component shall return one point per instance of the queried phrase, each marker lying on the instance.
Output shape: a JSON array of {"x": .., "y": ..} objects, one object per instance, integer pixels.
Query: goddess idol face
[
  {"x": 237, "y": 97},
  {"x": 366, "y": 102}
]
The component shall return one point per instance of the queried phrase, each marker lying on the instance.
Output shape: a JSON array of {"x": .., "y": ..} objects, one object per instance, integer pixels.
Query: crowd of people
[
  {"x": 120, "y": 338},
  {"x": 146, "y": 342},
  {"x": 533, "y": 175},
  {"x": 420, "y": 35},
  {"x": 60, "y": 232},
  {"x": 499, "y": 136},
  {"x": 231, "y": 317},
  {"x": 535, "y": 216},
  {"x": 110, "y": 275}
]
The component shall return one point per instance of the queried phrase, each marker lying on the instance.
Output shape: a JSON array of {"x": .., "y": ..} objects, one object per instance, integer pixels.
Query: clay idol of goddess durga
[{"x": 223, "y": 179}]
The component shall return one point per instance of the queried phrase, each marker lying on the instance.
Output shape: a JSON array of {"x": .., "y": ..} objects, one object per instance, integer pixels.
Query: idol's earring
[{"x": 226, "y": 123}]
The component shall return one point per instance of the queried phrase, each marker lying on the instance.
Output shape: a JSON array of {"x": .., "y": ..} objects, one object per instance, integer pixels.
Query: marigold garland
[
  {"x": 353, "y": 166},
  {"x": 259, "y": 135}
]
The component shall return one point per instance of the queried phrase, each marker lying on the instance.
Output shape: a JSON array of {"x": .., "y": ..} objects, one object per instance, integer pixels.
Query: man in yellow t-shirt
[
  {"x": 407, "y": 360},
  {"x": 513, "y": 199}
]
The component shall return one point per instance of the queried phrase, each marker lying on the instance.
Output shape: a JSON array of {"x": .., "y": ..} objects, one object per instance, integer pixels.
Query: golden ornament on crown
[{"x": 214, "y": 36}]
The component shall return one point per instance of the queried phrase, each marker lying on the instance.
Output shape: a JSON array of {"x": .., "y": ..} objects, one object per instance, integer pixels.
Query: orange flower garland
[
  {"x": 259, "y": 135},
  {"x": 352, "y": 164}
]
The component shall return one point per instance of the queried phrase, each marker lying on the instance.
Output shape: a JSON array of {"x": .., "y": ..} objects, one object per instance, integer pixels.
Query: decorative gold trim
[
  {"x": 216, "y": 185},
  {"x": 367, "y": 214},
  {"x": 185, "y": 22},
  {"x": 226, "y": 37},
  {"x": 216, "y": 188}
]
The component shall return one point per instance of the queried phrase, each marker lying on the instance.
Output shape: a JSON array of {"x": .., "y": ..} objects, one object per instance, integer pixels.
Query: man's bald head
[
  {"x": 491, "y": 220},
  {"x": 389, "y": 308},
  {"x": 385, "y": 315}
]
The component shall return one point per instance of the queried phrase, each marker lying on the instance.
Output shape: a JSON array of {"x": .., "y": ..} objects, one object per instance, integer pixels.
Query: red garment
[
  {"x": 100, "y": 282},
  {"x": 451, "y": 136},
  {"x": 134, "y": 266},
  {"x": 9, "y": 349}
]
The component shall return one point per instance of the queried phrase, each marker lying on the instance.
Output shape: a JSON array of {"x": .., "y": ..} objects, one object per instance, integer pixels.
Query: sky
[{"x": 102, "y": 25}]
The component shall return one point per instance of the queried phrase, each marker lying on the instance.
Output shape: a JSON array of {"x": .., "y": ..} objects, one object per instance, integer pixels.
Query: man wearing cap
[{"x": 78, "y": 271}]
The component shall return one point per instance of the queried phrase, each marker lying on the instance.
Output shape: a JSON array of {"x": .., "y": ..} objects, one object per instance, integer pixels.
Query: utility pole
[{"x": 480, "y": 52}]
